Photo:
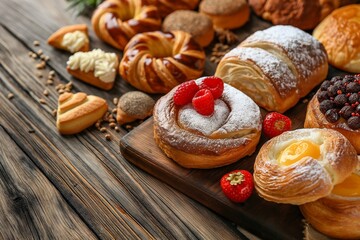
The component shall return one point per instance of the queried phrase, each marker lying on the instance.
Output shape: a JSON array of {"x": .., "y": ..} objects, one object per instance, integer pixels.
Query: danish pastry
[
  {"x": 336, "y": 106},
  {"x": 275, "y": 67},
  {"x": 197, "y": 141},
  {"x": 72, "y": 38},
  {"x": 339, "y": 32},
  {"x": 155, "y": 62},
  {"x": 168, "y": 6},
  {"x": 79, "y": 111},
  {"x": 303, "y": 165},
  {"x": 96, "y": 68},
  {"x": 338, "y": 214},
  {"x": 117, "y": 21}
]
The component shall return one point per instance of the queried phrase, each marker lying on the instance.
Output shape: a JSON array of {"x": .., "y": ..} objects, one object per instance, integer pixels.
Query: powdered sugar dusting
[
  {"x": 274, "y": 68},
  {"x": 302, "y": 49}
]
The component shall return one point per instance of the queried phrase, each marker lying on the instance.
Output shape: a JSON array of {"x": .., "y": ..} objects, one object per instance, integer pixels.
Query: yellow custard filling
[
  {"x": 350, "y": 187},
  {"x": 298, "y": 150}
]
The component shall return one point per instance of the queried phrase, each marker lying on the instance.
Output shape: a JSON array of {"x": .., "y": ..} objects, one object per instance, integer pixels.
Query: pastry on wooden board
[
  {"x": 336, "y": 106},
  {"x": 226, "y": 14},
  {"x": 155, "y": 62},
  {"x": 303, "y": 165},
  {"x": 304, "y": 14},
  {"x": 134, "y": 105},
  {"x": 117, "y": 21},
  {"x": 275, "y": 67},
  {"x": 198, "y": 25},
  {"x": 193, "y": 140},
  {"x": 73, "y": 38},
  {"x": 78, "y": 111},
  {"x": 339, "y": 33},
  {"x": 96, "y": 67}
]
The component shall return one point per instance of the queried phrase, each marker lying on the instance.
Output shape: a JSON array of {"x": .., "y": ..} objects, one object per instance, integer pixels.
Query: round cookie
[{"x": 198, "y": 25}]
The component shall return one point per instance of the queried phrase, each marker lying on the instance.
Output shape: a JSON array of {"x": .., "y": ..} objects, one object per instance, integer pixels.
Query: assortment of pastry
[
  {"x": 209, "y": 122},
  {"x": 275, "y": 67},
  {"x": 339, "y": 32}
]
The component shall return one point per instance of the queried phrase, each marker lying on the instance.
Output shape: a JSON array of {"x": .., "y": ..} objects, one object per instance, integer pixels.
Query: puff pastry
[
  {"x": 275, "y": 67},
  {"x": 197, "y": 141},
  {"x": 303, "y": 165},
  {"x": 73, "y": 38},
  {"x": 338, "y": 214},
  {"x": 79, "y": 111}
]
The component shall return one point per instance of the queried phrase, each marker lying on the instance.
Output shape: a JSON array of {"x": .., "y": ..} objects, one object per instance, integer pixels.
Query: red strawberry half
[
  {"x": 203, "y": 102},
  {"x": 214, "y": 84},
  {"x": 275, "y": 123},
  {"x": 185, "y": 93},
  {"x": 237, "y": 185}
]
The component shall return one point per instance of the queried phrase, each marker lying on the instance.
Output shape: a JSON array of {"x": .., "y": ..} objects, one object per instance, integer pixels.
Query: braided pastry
[
  {"x": 117, "y": 21},
  {"x": 168, "y": 6},
  {"x": 155, "y": 62}
]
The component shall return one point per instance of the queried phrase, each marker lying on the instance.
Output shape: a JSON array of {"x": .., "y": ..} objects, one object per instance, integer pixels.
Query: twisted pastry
[
  {"x": 197, "y": 141},
  {"x": 155, "y": 62},
  {"x": 117, "y": 21},
  {"x": 303, "y": 165},
  {"x": 168, "y": 6}
]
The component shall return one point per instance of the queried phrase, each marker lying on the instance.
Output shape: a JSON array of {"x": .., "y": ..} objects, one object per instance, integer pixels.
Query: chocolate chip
[
  {"x": 326, "y": 105},
  {"x": 354, "y": 122},
  {"x": 353, "y": 98},
  {"x": 325, "y": 85},
  {"x": 340, "y": 100},
  {"x": 332, "y": 115},
  {"x": 322, "y": 95},
  {"x": 346, "y": 112}
]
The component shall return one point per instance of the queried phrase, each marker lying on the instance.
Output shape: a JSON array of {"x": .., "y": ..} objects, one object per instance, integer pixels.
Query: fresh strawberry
[
  {"x": 275, "y": 123},
  {"x": 214, "y": 84},
  {"x": 237, "y": 185},
  {"x": 203, "y": 102},
  {"x": 185, "y": 92}
]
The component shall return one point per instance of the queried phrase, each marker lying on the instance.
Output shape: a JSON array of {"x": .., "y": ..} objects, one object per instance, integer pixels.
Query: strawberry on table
[
  {"x": 276, "y": 123},
  {"x": 237, "y": 185}
]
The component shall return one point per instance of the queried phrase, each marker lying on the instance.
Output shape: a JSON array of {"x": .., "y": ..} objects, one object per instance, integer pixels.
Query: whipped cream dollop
[
  {"x": 73, "y": 41},
  {"x": 102, "y": 63}
]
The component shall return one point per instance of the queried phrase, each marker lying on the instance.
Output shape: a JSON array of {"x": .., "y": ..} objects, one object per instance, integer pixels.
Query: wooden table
[{"x": 80, "y": 186}]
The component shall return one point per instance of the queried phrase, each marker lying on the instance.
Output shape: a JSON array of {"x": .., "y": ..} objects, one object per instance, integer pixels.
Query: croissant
[
  {"x": 155, "y": 62},
  {"x": 196, "y": 141},
  {"x": 303, "y": 165},
  {"x": 275, "y": 67},
  {"x": 78, "y": 111},
  {"x": 168, "y": 6},
  {"x": 117, "y": 21}
]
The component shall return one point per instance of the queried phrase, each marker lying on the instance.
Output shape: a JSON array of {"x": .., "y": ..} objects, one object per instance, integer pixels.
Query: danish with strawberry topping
[{"x": 206, "y": 123}]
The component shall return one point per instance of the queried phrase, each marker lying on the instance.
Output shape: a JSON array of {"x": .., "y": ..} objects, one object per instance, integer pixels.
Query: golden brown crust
[
  {"x": 339, "y": 33},
  {"x": 308, "y": 179},
  {"x": 275, "y": 67},
  {"x": 155, "y": 62},
  {"x": 117, "y": 21},
  {"x": 233, "y": 138},
  {"x": 199, "y": 26},
  {"x": 79, "y": 111},
  {"x": 228, "y": 14},
  {"x": 56, "y": 38},
  {"x": 166, "y": 7},
  {"x": 316, "y": 119}
]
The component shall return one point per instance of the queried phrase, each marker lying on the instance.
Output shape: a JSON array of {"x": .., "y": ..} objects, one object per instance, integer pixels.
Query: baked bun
[
  {"x": 168, "y": 6},
  {"x": 199, "y": 26},
  {"x": 96, "y": 68},
  {"x": 117, "y": 21},
  {"x": 73, "y": 38},
  {"x": 155, "y": 62},
  {"x": 336, "y": 106},
  {"x": 303, "y": 165},
  {"x": 275, "y": 67},
  {"x": 339, "y": 33},
  {"x": 133, "y": 106},
  {"x": 78, "y": 111},
  {"x": 338, "y": 214},
  {"x": 197, "y": 141},
  {"x": 226, "y": 14}
]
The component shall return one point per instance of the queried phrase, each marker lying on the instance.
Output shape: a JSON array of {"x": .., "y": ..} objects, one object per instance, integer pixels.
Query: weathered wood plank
[
  {"x": 30, "y": 206},
  {"x": 114, "y": 198}
]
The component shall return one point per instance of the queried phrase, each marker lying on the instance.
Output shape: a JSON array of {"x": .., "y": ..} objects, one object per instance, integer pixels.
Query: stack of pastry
[{"x": 315, "y": 167}]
